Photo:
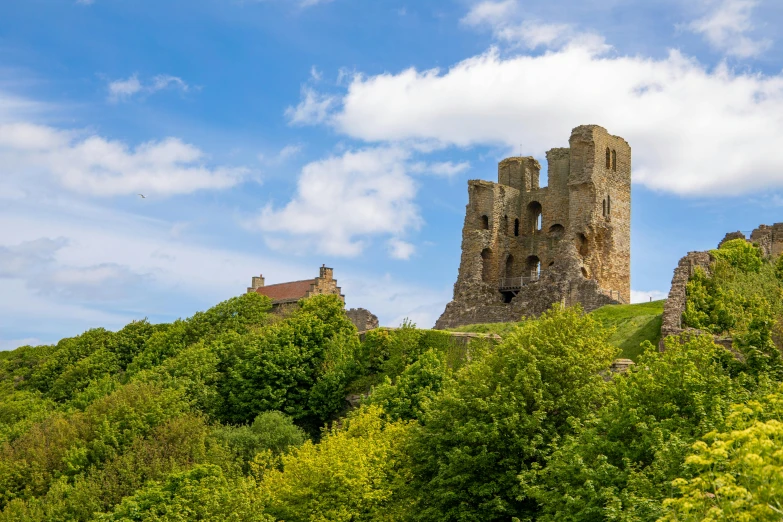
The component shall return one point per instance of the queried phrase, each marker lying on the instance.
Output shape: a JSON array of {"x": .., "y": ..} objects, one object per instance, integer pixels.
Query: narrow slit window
[
  {"x": 485, "y": 222},
  {"x": 608, "y": 158},
  {"x": 516, "y": 227},
  {"x": 608, "y": 205},
  {"x": 614, "y": 160},
  {"x": 604, "y": 205}
]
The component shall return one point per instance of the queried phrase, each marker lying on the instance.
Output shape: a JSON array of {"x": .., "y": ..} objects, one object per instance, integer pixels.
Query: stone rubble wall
[
  {"x": 362, "y": 319},
  {"x": 675, "y": 303}
]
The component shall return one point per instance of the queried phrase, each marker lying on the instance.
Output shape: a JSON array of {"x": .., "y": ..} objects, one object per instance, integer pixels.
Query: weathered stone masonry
[
  {"x": 768, "y": 238},
  {"x": 525, "y": 247}
]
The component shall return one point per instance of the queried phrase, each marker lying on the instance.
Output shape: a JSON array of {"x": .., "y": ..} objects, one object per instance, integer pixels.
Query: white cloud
[
  {"x": 644, "y": 296},
  {"x": 102, "y": 167},
  {"x": 510, "y": 24},
  {"x": 444, "y": 168},
  {"x": 341, "y": 201},
  {"x": 122, "y": 90},
  {"x": 399, "y": 249},
  {"x": 315, "y": 74},
  {"x": 312, "y": 109},
  {"x": 693, "y": 131},
  {"x": 726, "y": 25}
]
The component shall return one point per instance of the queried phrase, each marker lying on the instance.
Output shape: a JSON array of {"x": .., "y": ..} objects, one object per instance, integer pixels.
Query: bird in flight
[{"x": 143, "y": 196}]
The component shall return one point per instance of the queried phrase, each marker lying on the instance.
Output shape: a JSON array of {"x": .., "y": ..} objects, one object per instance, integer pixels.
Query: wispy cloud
[
  {"x": 313, "y": 108},
  {"x": 125, "y": 89},
  {"x": 444, "y": 168},
  {"x": 98, "y": 166},
  {"x": 510, "y": 24},
  {"x": 726, "y": 26}
]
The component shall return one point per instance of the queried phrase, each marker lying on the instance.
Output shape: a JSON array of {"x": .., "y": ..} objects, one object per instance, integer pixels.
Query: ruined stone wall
[
  {"x": 502, "y": 236},
  {"x": 675, "y": 304},
  {"x": 362, "y": 319}
]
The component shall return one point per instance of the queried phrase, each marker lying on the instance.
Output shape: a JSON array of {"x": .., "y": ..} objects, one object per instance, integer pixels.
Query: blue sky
[{"x": 273, "y": 136}]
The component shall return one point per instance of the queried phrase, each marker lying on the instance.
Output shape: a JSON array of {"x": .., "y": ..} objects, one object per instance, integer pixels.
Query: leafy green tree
[
  {"x": 418, "y": 384},
  {"x": 353, "y": 474},
  {"x": 202, "y": 493},
  {"x": 501, "y": 414},
  {"x": 620, "y": 462},
  {"x": 739, "y": 254},
  {"x": 738, "y": 471},
  {"x": 271, "y": 431}
]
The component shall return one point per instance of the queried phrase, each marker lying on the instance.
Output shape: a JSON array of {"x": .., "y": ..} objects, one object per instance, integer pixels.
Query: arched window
[
  {"x": 534, "y": 216},
  {"x": 608, "y": 205},
  {"x": 614, "y": 160},
  {"x": 608, "y": 158},
  {"x": 581, "y": 244},
  {"x": 532, "y": 267},
  {"x": 516, "y": 227},
  {"x": 485, "y": 222},
  {"x": 486, "y": 265},
  {"x": 556, "y": 231}
]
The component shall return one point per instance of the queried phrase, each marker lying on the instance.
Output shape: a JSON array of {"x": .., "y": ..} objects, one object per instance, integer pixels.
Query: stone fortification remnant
[
  {"x": 525, "y": 247},
  {"x": 768, "y": 238},
  {"x": 362, "y": 319}
]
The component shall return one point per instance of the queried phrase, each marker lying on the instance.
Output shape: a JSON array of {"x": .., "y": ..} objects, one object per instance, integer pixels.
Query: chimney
[
  {"x": 326, "y": 273},
  {"x": 258, "y": 282}
]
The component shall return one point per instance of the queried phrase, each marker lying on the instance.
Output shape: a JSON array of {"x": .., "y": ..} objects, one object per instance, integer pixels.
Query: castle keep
[{"x": 525, "y": 247}]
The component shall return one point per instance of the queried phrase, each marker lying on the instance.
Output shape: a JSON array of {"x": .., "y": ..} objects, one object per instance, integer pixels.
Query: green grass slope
[{"x": 633, "y": 325}]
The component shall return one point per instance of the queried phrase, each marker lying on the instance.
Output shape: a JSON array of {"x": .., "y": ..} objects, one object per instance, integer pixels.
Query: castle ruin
[{"x": 525, "y": 247}]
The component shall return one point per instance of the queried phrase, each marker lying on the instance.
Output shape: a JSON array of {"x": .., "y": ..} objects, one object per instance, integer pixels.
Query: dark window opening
[
  {"x": 614, "y": 160},
  {"x": 584, "y": 272},
  {"x": 507, "y": 296},
  {"x": 516, "y": 227},
  {"x": 534, "y": 216},
  {"x": 608, "y": 205},
  {"x": 581, "y": 244},
  {"x": 556, "y": 231},
  {"x": 510, "y": 266},
  {"x": 608, "y": 158},
  {"x": 485, "y": 222},
  {"x": 486, "y": 265},
  {"x": 533, "y": 267}
]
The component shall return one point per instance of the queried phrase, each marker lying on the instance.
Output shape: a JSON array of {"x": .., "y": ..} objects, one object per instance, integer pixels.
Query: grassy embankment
[{"x": 633, "y": 324}]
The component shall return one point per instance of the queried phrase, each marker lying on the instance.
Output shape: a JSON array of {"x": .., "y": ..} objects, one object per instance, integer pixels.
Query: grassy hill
[{"x": 633, "y": 324}]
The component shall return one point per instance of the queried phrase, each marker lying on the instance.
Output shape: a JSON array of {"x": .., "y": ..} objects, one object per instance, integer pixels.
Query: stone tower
[{"x": 525, "y": 247}]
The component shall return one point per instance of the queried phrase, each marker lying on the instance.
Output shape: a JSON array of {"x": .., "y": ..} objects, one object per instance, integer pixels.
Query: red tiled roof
[{"x": 292, "y": 290}]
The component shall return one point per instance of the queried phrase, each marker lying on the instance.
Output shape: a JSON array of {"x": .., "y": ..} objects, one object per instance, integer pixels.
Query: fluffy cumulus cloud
[
  {"x": 342, "y": 201},
  {"x": 695, "y": 131},
  {"x": 98, "y": 166},
  {"x": 124, "y": 89},
  {"x": 726, "y": 25}
]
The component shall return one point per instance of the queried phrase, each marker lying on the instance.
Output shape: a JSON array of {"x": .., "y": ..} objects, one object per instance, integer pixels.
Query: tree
[{"x": 500, "y": 415}]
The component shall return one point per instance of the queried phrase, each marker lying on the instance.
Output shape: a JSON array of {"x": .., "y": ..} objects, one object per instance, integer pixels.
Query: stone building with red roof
[{"x": 289, "y": 293}]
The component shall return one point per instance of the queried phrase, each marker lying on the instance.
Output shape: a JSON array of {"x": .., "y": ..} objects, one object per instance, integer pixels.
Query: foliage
[
  {"x": 500, "y": 414},
  {"x": 739, "y": 254},
  {"x": 202, "y": 493},
  {"x": 738, "y": 471},
  {"x": 351, "y": 475},
  {"x": 416, "y": 386},
  {"x": 620, "y": 461}
]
